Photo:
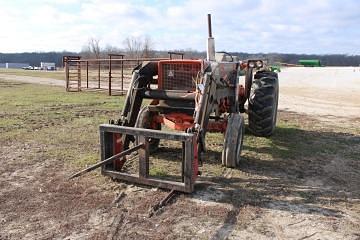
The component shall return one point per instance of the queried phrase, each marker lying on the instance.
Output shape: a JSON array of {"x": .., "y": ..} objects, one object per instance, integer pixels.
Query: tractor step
[{"x": 109, "y": 148}]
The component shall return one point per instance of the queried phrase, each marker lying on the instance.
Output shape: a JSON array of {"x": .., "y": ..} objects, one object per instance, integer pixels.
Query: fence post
[
  {"x": 67, "y": 74},
  {"x": 110, "y": 75},
  {"x": 87, "y": 74},
  {"x": 122, "y": 74},
  {"x": 79, "y": 75},
  {"x": 99, "y": 73}
]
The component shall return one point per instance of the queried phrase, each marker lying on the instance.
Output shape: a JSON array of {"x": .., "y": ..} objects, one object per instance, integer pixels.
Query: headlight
[
  {"x": 251, "y": 64},
  {"x": 259, "y": 64}
]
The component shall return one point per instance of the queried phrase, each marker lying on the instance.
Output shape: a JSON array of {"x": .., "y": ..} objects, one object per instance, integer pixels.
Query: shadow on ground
[{"x": 296, "y": 170}]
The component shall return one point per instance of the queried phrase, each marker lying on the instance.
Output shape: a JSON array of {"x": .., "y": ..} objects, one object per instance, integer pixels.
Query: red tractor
[{"x": 193, "y": 97}]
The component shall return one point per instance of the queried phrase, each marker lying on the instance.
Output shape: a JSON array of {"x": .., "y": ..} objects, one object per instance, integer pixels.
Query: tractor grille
[{"x": 178, "y": 75}]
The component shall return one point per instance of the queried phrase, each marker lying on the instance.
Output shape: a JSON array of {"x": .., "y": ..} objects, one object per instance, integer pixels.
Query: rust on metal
[{"x": 209, "y": 25}]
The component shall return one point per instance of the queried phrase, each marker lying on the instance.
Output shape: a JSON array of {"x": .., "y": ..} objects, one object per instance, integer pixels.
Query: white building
[{"x": 47, "y": 66}]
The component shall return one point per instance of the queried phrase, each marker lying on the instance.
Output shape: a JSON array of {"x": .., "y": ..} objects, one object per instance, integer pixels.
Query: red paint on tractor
[{"x": 118, "y": 147}]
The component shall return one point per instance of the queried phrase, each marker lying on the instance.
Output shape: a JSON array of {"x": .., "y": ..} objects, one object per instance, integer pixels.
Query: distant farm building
[
  {"x": 310, "y": 63},
  {"x": 13, "y": 65},
  {"x": 50, "y": 66}
]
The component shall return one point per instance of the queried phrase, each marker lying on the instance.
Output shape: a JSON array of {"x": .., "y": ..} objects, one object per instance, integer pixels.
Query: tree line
[{"x": 142, "y": 47}]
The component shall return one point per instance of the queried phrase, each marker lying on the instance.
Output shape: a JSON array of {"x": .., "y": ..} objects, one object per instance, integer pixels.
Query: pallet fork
[{"x": 110, "y": 138}]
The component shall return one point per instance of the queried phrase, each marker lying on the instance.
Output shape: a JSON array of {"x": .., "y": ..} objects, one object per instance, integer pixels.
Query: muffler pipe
[{"x": 210, "y": 42}]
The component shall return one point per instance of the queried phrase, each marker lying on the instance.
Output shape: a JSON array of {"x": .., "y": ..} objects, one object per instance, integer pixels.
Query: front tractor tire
[
  {"x": 263, "y": 103},
  {"x": 146, "y": 120},
  {"x": 233, "y": 140}
]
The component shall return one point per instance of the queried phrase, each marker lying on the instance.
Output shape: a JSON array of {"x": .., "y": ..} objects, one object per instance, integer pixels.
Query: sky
[{"x": 284, "y": 26}]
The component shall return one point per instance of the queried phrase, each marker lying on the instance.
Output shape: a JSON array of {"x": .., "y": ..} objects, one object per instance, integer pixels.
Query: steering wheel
[{"x": 228, "y": 54}]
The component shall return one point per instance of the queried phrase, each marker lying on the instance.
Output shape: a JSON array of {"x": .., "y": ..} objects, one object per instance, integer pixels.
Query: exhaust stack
[{"x": 210, "y": 42}]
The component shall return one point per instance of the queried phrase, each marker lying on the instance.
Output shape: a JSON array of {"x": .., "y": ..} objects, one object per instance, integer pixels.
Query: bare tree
[
  {"x": 133, "y": 47},
  {"x": 94, "y": 47},
  {"x": 147, "y": 47},
  {"x": 137, "y": 47}
]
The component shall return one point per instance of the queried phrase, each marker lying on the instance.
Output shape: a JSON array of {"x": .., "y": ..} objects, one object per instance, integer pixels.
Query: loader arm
[
  {"x": 212, "y": 91},
  {"x": 141, "y": 78}
]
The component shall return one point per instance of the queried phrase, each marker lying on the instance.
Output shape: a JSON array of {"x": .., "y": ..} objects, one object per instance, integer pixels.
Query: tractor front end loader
[{"x": 192, "y": 97}]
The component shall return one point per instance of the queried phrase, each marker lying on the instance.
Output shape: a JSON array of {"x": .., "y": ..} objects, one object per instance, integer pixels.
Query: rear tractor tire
[
  {"x": 233, "y": 140},
  {"x": 263, "y": 103},
  {"x": 146, "y": 120}
]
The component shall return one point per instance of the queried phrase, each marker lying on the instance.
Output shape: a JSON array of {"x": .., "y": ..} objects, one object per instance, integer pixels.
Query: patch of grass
[
  {"x": 158, "y": 172},
  {"x": 295, "y": 148},
  {"x": 66, "y": 124},
  {"x": 293, "y": 142},
  {"x": 5, "y": 122},
  {"x": 86, "y": 160}
]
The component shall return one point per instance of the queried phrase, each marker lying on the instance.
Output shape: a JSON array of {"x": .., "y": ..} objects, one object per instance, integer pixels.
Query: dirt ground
[
  {"x": 302, "y": 183},
  {"x": 330, "y": 92}
]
